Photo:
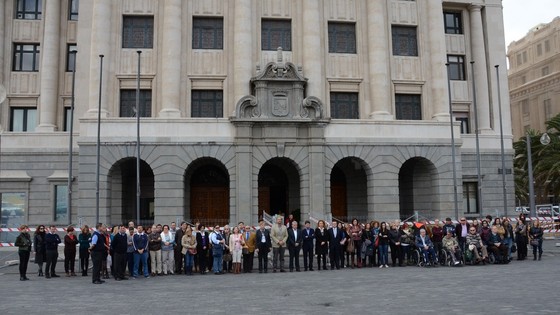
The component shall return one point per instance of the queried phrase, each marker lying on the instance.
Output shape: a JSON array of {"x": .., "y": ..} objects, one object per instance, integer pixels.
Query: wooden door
[
  {"x": 210, "y": 205},
  {"x": 338, "y": 201},
  {"x": 264, "y": 200}
]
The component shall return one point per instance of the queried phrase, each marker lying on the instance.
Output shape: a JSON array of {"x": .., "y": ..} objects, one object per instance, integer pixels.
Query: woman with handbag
[
  {"x": 521, "y": 237},
  {"x": 40, "y": 248},
  {"x": 188, "y": 242},
  {"x": 356, "y": 237},
  {"x": 321, "y": 244},
  {"x": 236, "y": 243},
  {"x": 536, "y": 238}
]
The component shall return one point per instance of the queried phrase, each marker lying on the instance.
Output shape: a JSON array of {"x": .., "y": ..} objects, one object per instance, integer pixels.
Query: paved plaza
[{"x": 528, "y": 287}]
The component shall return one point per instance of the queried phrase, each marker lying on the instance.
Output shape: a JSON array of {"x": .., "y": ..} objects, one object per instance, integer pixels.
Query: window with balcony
[
  {"x": 276, "y": 33},
  {"x": 28, "y": 9},
  {"x": 23, "y": 119},
  {"x": 408, "y": 107},
  {"x": 207, "y": 103},
  {"x": 138, "y": 31},
  {"x": 128, "y": 103},
  {"x": 26, "y": 57},
  {"x": 208, "y": 33},
  {"x": 344, "y": 105},
  {"x": 405, "y": 42},
  {"x": 342, "y": 38}
]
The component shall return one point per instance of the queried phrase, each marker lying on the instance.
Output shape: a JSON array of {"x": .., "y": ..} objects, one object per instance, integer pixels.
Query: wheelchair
[
  {"x": 468, "y": 257},
  {"x": 447, "y": 260},
  {"x": 418, "y": 259}
]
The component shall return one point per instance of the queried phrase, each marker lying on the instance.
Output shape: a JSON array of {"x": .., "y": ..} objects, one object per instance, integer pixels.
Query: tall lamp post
[
  {"x": 502, "y": 141},
  {"x": 545, "y": 140},
  {"x": 455, "y": 198}
]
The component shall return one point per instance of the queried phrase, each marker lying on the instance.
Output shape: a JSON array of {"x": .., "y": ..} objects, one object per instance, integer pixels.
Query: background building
[
  {"x": 534, "y": 78},
  {"x": 349, "y": 118}
]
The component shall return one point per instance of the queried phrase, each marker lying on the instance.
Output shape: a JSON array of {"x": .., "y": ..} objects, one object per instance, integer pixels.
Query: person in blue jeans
[
  {"x": 383, "y": 245},
  {"x": 218, "y": 242},
  {"x": 140, "y": 243}
]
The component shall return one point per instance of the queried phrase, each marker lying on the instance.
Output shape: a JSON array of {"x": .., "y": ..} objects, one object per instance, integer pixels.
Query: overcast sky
[{"x": 522, "y": 15}]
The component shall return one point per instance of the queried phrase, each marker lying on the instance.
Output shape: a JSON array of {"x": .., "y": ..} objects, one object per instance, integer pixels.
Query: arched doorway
[
  {"x": 279, "y": 186},
  {"x": 417, "y": 187},
  {"x": 122, "y": 178},
  {"x": 207, "y": 192},
  {"x": 349, "y": 190}
]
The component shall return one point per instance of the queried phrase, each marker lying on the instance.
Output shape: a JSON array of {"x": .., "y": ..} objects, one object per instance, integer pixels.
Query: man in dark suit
[
  {"x": 202, "y": 247},
  {"x": 119, "y": 246},
  {"x": 308, "y": 236},
  {"x": 335, "y": 237},
  {"x": 263, "y": 247},
  {"x": 295, "y": 239},
  {"x": 461, "y": 231}
]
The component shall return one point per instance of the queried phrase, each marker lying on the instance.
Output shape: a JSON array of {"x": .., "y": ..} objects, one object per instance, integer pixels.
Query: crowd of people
[{"x": 160, "y": 250}]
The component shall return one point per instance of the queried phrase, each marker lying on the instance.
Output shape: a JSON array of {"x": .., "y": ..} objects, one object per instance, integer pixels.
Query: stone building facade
[
  {"x": 312, "y": 107},
  {"x": 534, "y": 78}
]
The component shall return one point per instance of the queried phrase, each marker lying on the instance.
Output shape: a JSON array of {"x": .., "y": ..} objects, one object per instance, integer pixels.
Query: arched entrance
[
  {"x": 417, "y": 187},
  {"x": 122, "y": 179},
  {"x": 279, "y": 186},
  {"x": 349, "y": 190},
  {"x": 207, "y": 192}
]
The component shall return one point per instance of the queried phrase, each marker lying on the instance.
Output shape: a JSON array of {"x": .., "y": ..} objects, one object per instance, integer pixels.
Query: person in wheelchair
[
  {"x": 496, "y": 245},
  {"x": 475, "y": 246},
  {"x": 451, "y": 245},
  {"x": 426, "y": 246}
]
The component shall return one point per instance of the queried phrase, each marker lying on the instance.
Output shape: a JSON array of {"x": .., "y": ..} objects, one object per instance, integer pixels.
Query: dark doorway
[{"x": 278, "y": 187}]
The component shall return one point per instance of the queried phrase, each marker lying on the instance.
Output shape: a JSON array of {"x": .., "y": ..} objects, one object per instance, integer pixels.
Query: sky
[{"x": 522, "y": 15}]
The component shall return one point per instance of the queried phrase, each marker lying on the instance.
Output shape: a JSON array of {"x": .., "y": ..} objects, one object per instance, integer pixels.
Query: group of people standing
[{"x": 167, "y": 250}]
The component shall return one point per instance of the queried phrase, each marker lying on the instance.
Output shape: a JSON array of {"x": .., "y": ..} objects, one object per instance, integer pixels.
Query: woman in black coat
[
  {"x": 23, "y": 242},
  {"x": 321, "y": 244},
  {"x": 40, "y": 249},
  {"x": 202, "y": 246}
]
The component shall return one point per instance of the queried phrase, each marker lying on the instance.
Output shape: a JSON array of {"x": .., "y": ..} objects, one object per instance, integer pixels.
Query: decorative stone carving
[{"x": 279, "y": 91}]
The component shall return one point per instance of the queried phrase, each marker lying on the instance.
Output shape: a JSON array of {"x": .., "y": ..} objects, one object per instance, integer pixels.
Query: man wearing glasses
[
  {"x": 461, "y": 231},
  {"x": 218, "y": 242}
]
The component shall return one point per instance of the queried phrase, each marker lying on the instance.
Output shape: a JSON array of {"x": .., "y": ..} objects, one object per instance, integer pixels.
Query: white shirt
[
  {"x": 295, "y": 235},
  {"x": 263, "y": 237}
]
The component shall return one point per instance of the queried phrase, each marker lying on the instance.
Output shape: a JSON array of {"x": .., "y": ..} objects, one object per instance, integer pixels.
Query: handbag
[
  {"x": 513, "y": 248},
  {"x": 245, "y": 251},
  {"x": 350, "y": 247},
  {"x": 192, "y": 251},
  {"x": 534, "y": 242},
  {"x": 377, "y": 241}
]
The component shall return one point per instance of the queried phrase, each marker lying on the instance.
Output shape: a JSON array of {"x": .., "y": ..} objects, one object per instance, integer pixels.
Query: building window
[
  {"x": 523, "y": 79},
  {"x": 547, "y": 109},
  {"x": 519, "y": 59},
  {"x": 13, "y": 209},
  {"x": 26, "y": 57},
  {"x": 453, "y": 22},
  {"x": 128, "y": 103},
  {"x": 70, "y": 57},
  {"x": 545, "y": 71},
  {"x": 73, "y": 8},
  {"x": 524, "y": 56},
  {"x": 547, "y": 46},
  {"x": 23, "y": 119},
  {"x": 463, "y": 118},
  {"x": 138, "y": 32},
  {"x": 408, "y": 106},
  {"x": 342, "y": 38},
  {"x": 208, "y": 33},
  {"x": 276, "y": 33},
  {"x": 207, "y": 103},
  {"x": 470, "y": 197},
  {"x": 60, "y": 203},
  {"x": 28, "y": 9},
  {"x": 539, "y": 49},
  {"x": 404, "y": 41},
  {"x": 525, "y": 108},
  {"x": 344, "y": 105},
  {"x": 67, "y": 118},
  {"x": 456, "y": 67}
]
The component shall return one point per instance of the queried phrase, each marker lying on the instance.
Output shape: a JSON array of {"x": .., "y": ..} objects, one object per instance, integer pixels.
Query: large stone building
[
  {"x": 350, "y": 118},
  {"x": 534, "y": 78}
]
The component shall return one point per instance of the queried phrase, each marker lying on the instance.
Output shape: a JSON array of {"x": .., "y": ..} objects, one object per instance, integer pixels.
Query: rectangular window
[
  {"x": 138, "y": 31},
  {"x": 276, "y": 33},
  {"x": 207, "y": 103},
  {"x": 344, "y": 105},
  {"x": 208, "y": 33},
  {"x": 525, "y": 108},
  {"x": 408, "y": 106},
  {"x": 547, "y": 109},
  {"x": 463, "y": 118},
  {"x": 128, "y": 103},
  {"x": 524, "y": 57},
  {"x": 23, "y": 119},
  {"x": 60, "y": 203},
  {"x": 470, "y": 197},
  {"x": 70, "y": 57},
  {"x": 539, "y": 49},
  {"x": 523, "y": 79},
  {"x": 67, "y": 118},
  {"x": 519, "y": 59},
  {"x": 13, "y": 209},
  {"x": 547, "y": 46},
  {"x": 453, "y": 22},
  {"x": 28, "y": 9},
  {"x": 342, "y": 38},
  {"x": 545, "y": 71},
  {"x": 456, "y": 67},
  {"x": 73, "y": 8},
  {"x": 404, "y": 41},
  {"x": 26, "y": 57}
]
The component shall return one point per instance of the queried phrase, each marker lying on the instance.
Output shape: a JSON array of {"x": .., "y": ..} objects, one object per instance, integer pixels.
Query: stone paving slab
[{"x": 528, "y": 287}]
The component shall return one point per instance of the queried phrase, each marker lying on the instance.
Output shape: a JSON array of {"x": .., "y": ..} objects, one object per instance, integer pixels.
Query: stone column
[
  {"x": 171, "y": 61},
  {"x": 242, "y": 48},
  {"x": 100, "y": 45},
  {"x": 312, "y": 55},
  {"x": 437, "y": 59},
  {"x": 3, "y": 112},
  {"x": 480, "y": 69},
  {"x": 317, "y": 177},
  {"x": 245, "y": 210},
  {"x": 50, "y": 54},
  {"x": 379, "y": 60}
]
